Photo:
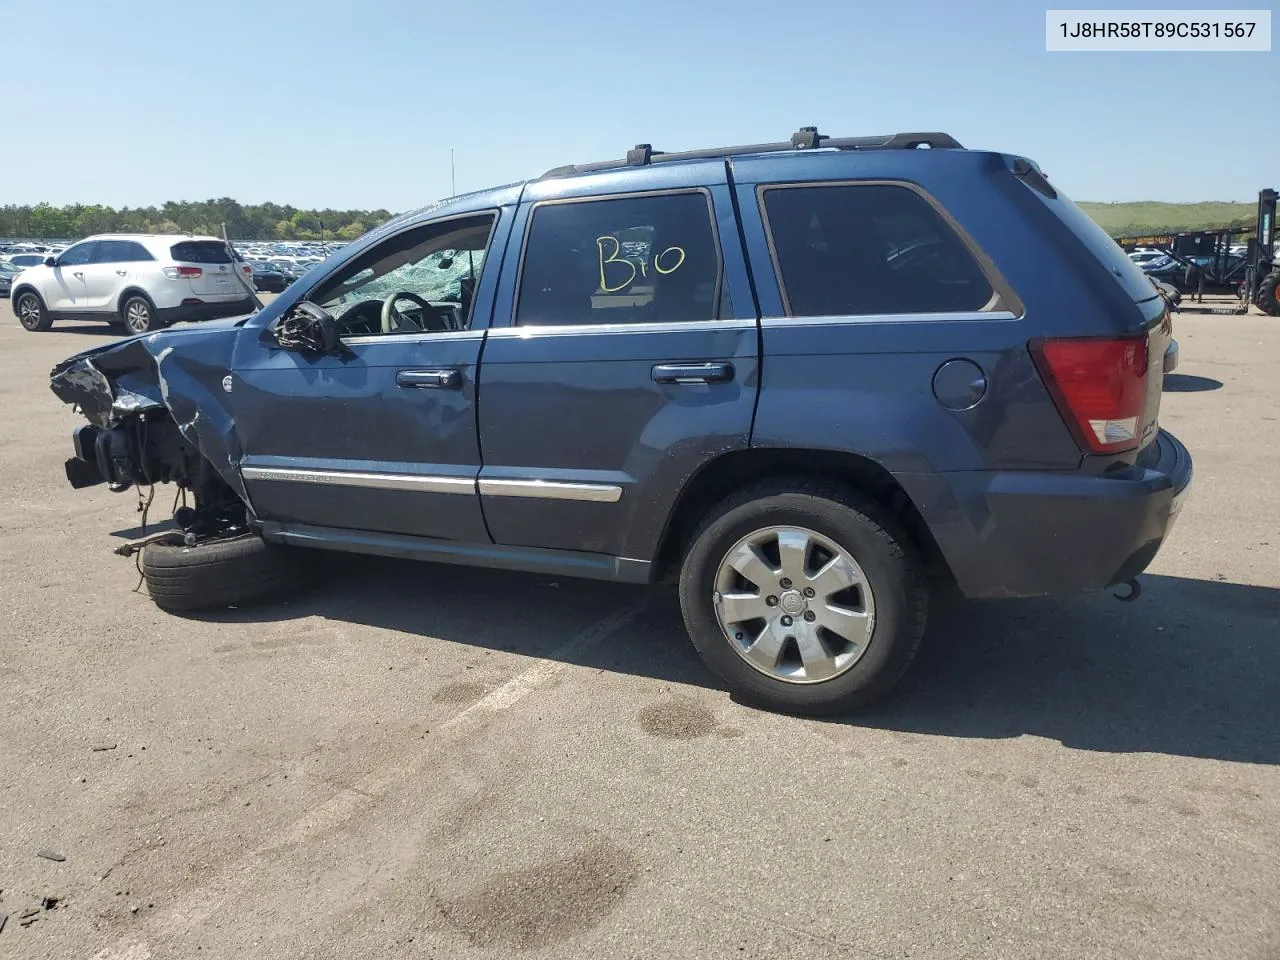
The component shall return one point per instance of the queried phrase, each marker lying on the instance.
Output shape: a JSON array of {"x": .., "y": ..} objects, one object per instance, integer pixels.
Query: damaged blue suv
[{"x": 804, "y": 379}]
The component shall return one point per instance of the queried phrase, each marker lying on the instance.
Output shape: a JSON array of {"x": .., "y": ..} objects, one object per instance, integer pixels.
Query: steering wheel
[{"x": 393, "y": 321}]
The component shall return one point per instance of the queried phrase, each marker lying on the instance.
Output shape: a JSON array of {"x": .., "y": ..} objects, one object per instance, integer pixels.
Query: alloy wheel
[
  {"x": 794, "y": 604},
  {"x": 29, "y": 311},
  {"x": 137, "y": 316}
]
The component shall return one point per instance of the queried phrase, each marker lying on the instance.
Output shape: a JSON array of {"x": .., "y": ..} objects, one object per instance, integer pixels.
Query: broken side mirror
[{"x": 309, "y": 328}]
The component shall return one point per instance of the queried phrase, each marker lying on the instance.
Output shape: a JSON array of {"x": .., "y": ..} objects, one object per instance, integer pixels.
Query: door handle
[
  {"x": 692, "y": 372},
  {"x": 440, "y": 379},
  {"x": 78, "y": 275},
  {"x": 122, "y": 273}
]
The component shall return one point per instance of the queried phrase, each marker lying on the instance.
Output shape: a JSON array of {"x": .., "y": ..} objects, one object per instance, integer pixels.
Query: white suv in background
[{"x": 139, "y": 281}]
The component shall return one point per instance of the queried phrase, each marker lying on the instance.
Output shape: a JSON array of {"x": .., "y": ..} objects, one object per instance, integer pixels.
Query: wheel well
[
  {"x": 16, "y": 292},
  {"x": 131, "y": 291},
  {"x": 734, "y": 470}
]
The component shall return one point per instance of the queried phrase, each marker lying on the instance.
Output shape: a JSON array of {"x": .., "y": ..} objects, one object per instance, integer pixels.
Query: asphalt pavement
[{"x": 413, "y": 760}]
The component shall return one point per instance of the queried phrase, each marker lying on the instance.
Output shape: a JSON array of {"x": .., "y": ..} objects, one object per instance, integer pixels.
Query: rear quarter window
[
  {"x": 200, "y": 251},
  {"x": 1109, "y": 253},
  {"x": 869, "y": 249}
]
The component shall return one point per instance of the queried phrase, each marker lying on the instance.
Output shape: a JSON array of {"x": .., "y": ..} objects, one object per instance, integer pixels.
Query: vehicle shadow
[
  {"x": 95, "y": 329},
  {"x": 1185, "y": 383},
  {"x": 1192, "y": 668}
]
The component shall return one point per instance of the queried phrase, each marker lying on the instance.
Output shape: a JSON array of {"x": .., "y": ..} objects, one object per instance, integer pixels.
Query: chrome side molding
[{"x": 539, "y": 489}]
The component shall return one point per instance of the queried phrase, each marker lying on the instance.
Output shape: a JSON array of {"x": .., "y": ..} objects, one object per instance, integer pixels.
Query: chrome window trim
[
  {"x": 552, "y": 490},
  {"x": 572, "y": 330},
  {"x": 376, "y": 481},
  {"x": 424, "y": 336},
  {"x": 854, "y": 319}
]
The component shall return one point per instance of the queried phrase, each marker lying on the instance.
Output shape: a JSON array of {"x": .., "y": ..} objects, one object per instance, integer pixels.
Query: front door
[
  {"x": 382, "y": 439},
  {"x": 628, "y": 360},
  {"x": 105, "y": 275},
  {"x": 68, "y": 293}
]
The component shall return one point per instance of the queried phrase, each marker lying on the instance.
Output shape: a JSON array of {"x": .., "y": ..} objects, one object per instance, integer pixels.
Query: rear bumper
[
  {"x": 207, "y": 310},
  {"x": 1024, "y": 534}
]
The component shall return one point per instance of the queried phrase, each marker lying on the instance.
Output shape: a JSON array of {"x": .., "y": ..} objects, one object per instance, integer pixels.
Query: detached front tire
[
  {"x": 804, "y": 596},
  {"x": 218, "y": 573}
]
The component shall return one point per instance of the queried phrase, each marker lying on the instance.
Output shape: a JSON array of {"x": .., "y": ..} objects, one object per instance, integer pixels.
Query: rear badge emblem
[{"x": 226, "y": 383}]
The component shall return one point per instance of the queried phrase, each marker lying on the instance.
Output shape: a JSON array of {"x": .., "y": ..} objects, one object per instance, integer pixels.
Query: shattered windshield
[{"x": 431, "y": 262}]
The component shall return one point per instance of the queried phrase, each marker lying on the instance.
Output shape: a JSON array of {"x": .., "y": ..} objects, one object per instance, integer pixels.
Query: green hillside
[{"x": 1150, "y": 216}]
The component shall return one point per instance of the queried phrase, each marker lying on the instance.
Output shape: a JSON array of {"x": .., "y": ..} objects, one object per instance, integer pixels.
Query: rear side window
[
  {"x": 867, "y": 249},
  {"x": 121, "y": 251},
  {"x": 200, "y": 251},
  {"x": 639, "y": 259}
]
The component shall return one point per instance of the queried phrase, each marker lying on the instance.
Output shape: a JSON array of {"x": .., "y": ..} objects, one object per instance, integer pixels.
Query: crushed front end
[{"x": 158, "y": 413}]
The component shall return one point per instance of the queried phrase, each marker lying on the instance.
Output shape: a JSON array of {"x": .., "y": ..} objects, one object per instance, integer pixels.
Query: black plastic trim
[{"x": 569, "y": 563}]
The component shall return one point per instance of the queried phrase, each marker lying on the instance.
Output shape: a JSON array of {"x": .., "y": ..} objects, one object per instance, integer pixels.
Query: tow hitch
[{"x": 1134, "y": 591}]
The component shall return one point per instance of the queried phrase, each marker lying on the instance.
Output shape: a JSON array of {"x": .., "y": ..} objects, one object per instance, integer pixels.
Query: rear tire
[
  {"x": 219, "y": 573},
  {"x": 31, "y": 312},
  {"x": 138, "y": 314},
  {"x": 1267, "y": 297},
  {"x": 838, "y": 524}
]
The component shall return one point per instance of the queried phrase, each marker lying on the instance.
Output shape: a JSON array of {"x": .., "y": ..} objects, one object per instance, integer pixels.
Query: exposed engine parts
[{"x": 141, "y": 450}]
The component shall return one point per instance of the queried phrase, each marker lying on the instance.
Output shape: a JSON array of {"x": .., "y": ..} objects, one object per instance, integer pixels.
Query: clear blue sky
[{"x": 322, "y": 103}]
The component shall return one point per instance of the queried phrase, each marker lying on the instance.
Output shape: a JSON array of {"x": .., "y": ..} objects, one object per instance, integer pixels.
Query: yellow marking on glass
[
  {"x": 613, "y": 257},
  {"x": 657, "y": 260}
]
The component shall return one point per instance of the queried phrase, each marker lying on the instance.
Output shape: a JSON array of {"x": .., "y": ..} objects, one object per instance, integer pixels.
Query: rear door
[
  {"x": 624, "y": 357},
  {"x": 207, "y": 266}
]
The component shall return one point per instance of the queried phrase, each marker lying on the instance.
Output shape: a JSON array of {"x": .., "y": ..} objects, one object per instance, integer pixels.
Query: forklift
[{"x": 1262, "y": 259}]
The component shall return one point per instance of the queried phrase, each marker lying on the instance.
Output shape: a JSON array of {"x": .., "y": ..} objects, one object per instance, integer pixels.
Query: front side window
[
  {"x": 623, "y": 260},
  {"x": 419, "y": 281},
  {"x": 869, "y": 249},
  {"x": 78, "y": 255}
]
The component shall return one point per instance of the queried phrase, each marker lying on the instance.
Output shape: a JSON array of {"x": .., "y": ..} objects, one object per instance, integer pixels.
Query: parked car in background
[
  {"x": 1141, "y": 257},
  {"x": 7, "y": 272},
  {"x": 138, "y": 281},
  {"x": 289, "y": 268},
  {"x": 267, "y": 279},
  {"x": 795, "y": 380},
  {"x": 25, "y": 260}
]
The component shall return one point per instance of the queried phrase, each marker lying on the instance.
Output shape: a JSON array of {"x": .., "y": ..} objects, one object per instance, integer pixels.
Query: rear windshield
[
  {"x": 200, "y": 251},
  {"x": 1096, "y": 240}
]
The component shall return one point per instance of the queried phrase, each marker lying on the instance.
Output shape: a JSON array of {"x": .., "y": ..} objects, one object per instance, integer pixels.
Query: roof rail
[{"x": 806, "y": 138}]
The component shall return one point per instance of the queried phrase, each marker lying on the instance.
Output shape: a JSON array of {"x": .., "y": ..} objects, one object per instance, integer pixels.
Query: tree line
[{"x": 261, "y": 221}]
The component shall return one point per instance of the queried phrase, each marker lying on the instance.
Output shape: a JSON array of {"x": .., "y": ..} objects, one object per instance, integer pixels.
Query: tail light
[
  {"x": 247, "y": 269},
  {"x": 182, "y": 273},
  {"x": 1100, "y": 387}
]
